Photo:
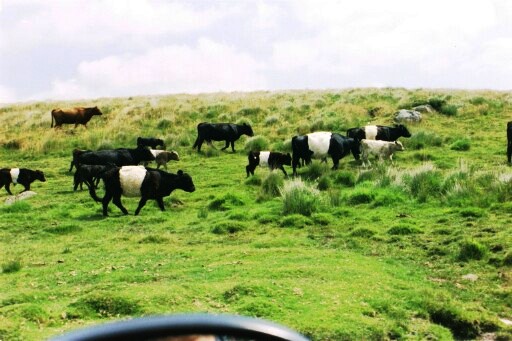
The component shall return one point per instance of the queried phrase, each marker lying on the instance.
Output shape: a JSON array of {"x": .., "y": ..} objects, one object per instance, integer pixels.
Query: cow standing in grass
[
  {"x": 321, "y": 144},
  {"x": 21, "y": 176},
  {"x": 74, "y": 116},
  {"x": 380, "y": 149},
  {"x": 375, "y": 132},
  {"x": 273, "y": 160},
  {"x": 228, "y": 132},
  {"x": 137, "y": 181}
]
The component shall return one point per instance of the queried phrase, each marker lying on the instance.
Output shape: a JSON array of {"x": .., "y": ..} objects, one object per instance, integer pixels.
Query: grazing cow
[
  {"x": 74, "y": 116},
  {"x": 383, "y": 133},
  {"x": 381, "y": 149},
  {"x": 22, "y": 176},
  {"x": 89, "y": 174},
  {"x": 150, "y": 142},
  {"x": 509, "y": 140},
  {"x": 228, "y": 132},
  {"x": 272, "y": 160},
  {"x": 320, "y": 144},
  {"x": 120, "y": 157},
  {"x": 137, "y": 181},
  {"x": 163, "y": 157},
  {"x": 76, "y": 153}
]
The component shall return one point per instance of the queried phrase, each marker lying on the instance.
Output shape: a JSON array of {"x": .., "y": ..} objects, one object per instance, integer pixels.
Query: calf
[
  {"x": 320, "y": 144},
  {"x": 164, "y": 156},
  {"x": 373, "y": 132},
  {"x": 381, "y": 149},
  {"x": 22, "y": 176},
  {"x": 272, "y": 160},
  {"x": 90, "y": 175},
  {"x": 228, "y": 132},
  {"x": 150, "y": 142},
  {"x": 137, "y": 181},
  {"x": 509, "y": 140}
]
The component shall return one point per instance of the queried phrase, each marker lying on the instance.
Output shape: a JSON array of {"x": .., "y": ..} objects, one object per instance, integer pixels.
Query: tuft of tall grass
[
  {"x": 11, "y": 267},
  {"x": 423, "y": 139},
  {"x": 462, "y": 144},
  {"x": 299, "y": 198},
  {"x": 256, "y": 143},
  {"x": 470, "y": 249},
  {"x": 270, "y": 187}
]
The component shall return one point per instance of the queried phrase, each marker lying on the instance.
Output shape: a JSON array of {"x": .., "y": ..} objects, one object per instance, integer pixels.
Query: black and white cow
[
  {"x": 509, "y": 140},
  {"x": 138, "y": 181},
  {"x": 21, "y": 176},
  {"x": 273, "y": 160},
  {"x": 376, "y": 132},
  {"x": 119, "y": 157},
  {"x": 228, "y": 132},
  {"x": 320, "y": 144},
  {"x": 150, "y": 142}
]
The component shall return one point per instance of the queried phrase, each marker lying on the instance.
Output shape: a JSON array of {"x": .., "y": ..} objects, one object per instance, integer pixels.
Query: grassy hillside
[{"x": 421, "y": 249}]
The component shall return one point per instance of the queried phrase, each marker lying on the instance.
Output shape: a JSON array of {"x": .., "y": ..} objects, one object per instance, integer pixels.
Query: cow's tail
[{"x": 92, "y": 192}]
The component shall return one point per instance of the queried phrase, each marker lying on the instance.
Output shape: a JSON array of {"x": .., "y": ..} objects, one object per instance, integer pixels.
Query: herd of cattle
[{"x": 124, "y": 171}]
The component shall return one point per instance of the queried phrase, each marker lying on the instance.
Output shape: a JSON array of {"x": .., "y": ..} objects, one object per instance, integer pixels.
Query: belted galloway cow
[
  {"x": 229, "y": 132},
  {"x": 376, "y": 132},
  {"x": 74, "y": 116},
  {"x": 320, "y": 144},
  {"x": 138, "y": 181},
  {"x": 21, "y": 176},
  {"x": 273, "y": 160}
]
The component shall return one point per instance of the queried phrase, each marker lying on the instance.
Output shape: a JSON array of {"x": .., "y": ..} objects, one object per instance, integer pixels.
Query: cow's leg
[
  {"x": 249, "y": 169},
  {"x": 295, "y": 163},
  {"x": 26, "y": 187},
  {"x": 160, "y": 202},
  {"x": 199, "y": 144},
  {"x": 509, "y": 151},
  {"x": 282, "y": 168},
  {"x": 105, "y": 201},
  {"x": 142, "y": 202},
  {"x": 117, "y": 202},
  {"x": 226, "y": 146},
  {"x": 335, "y": 161},
  {"x": 233, "y": 146},
  {"x": 8, "y": 188}
]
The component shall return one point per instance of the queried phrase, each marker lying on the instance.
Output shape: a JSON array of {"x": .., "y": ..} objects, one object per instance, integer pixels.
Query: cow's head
[
  {"x": 355, "y": 147},
  {"x": 403, "y": 130},
  {"x": 399, "y": 146},
  {"x": 173, "y": 155},
  {"x": 287, "y": 159},
  {"x": 247, "y": 130},
  {"x": 185, "y": 182},
  {"x": 39, "y": 175},
  {"x": 95, "y": 111}
]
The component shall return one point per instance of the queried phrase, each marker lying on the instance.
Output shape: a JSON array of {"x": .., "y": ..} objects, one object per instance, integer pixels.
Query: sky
[{"x": 85, "y": 49}]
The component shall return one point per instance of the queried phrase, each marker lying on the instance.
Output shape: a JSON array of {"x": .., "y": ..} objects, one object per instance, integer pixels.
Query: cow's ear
[
  {"x": 180, "y": 172},
  {"x": 288, "y": 154}
]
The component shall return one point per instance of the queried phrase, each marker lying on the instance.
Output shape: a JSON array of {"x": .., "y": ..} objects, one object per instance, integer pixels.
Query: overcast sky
[{"x": 79, "y": 49}]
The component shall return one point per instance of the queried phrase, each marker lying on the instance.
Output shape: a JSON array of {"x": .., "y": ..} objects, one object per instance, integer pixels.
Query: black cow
[
  {"x": 273, "y": 160},
  {"x": 375, "y": 132},
  {"x": 228, "y": 132},
  {"x": 119, "y": 157},
  {"x": 150, "y": 142},
  {"x": 74, "y": 116},
  {"x": 137, "y": 181},
  {"x": 509, "y": 140},
  {"x": 22, "y": 176},
  {"x": 320, "y": 144},
  {"x": 75, "y": 154},
  {"x": 89, "y": 174}
]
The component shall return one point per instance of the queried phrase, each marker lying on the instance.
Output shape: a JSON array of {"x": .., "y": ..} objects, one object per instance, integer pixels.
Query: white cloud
[{"x": 207, "y": 67}]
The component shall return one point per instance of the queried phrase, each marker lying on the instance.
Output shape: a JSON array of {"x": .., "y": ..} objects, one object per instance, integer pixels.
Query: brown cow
[{"x": 74, "y": 116}]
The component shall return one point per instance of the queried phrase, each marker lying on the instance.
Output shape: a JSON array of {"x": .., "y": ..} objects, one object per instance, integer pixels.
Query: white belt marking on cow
[
  {"x": 264, "y": 159},
  {"x": 131, "y": 178},
  {"x": 318, "y": 143},
  {"x": 15, "y": 173},
  {"x": 370, "y": 132}
]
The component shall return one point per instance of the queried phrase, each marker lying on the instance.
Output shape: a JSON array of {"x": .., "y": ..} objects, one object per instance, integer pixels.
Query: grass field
[{"x": 421, "y": 249}]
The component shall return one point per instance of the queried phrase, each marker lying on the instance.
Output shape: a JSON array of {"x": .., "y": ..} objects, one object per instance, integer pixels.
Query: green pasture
[{"x": 419, "y": 249}]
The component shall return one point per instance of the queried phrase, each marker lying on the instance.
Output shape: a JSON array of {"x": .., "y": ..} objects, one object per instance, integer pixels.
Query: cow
[
  {"x": 381, "y": 149},
  {"x": 120, "y": 157},
  {"x": 165, "y": 156},
  {"x": 150, "y": 142},
  {"x": 509, "y": 140},
  {"x": 74, "y": 116},
  {"x": 273, "y": 160},
  {"x": 89, "y": 174},
  {"x": 22, "y": 176},
  {"x": 228, "y": 132},
  {"x": 138, "y": 181},
  {"x": 320, "y": 144},
  {"x": 75, "y": 154},
  {"x": 375, "y": 132}
]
